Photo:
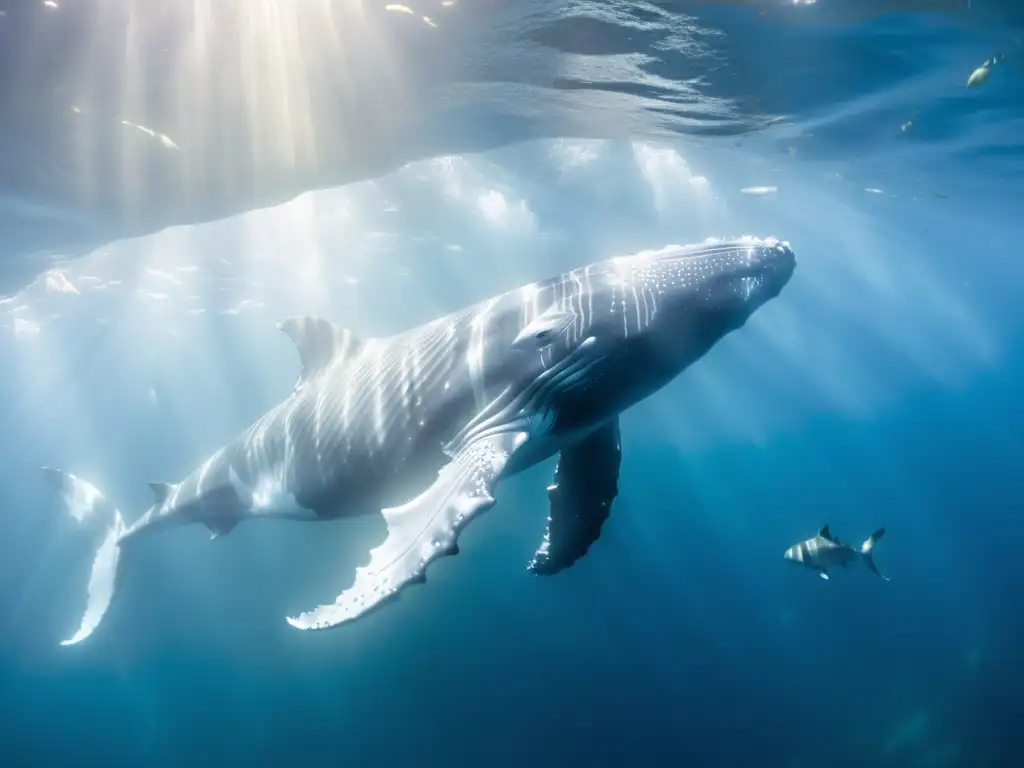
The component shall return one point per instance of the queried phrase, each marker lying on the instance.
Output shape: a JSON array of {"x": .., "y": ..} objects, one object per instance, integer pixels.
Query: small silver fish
[{"x": 824, "y": 551}]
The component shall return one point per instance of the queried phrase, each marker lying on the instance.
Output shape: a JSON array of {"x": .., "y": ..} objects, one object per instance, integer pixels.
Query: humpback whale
[
  {"x": 823, "y": 551},
  {"x": 421, "y": 426}
]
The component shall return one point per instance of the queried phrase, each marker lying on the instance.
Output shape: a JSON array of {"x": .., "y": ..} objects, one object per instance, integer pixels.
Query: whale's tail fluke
[
  {"x": 866, "y": 549},
  {"x": 103, "y": 521}
]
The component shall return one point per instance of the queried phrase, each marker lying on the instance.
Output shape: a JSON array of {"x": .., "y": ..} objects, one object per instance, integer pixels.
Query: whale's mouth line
[{"x": 756, "y": 273}]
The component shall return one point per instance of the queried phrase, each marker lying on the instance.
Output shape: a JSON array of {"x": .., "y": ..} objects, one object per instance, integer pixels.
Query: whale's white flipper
[
  {"x": 422, "y": 530},
  {"x": 88, "y": 506}
]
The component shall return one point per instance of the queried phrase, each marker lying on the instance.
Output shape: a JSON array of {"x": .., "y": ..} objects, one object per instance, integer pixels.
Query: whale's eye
[{"x": 545, "y": 328}]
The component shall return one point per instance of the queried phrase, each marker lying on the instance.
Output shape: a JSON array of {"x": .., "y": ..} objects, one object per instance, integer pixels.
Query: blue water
[{"x": 508, "y": 143}]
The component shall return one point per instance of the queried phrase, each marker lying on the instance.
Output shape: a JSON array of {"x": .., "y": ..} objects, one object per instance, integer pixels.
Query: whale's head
[
  {"x": 677, "y": 302},
  {"x": 620, "y": 329},
  {"x": 635, "y": 322},
  {"x": 718, "y": 284},
  {"x": 683, "y": 299}
]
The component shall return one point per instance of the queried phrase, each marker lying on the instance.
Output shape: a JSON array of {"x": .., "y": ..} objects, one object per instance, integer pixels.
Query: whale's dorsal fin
[
  {"x": 320, "y": 343},
  {"x": 160, "y": 492},
  {"x": 825, "y": 533}
]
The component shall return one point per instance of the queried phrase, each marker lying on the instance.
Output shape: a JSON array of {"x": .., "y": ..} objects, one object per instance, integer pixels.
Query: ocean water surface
[{"x": 176, "y": 178}]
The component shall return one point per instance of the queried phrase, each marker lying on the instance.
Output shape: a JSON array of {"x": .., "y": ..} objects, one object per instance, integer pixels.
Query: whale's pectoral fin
[
  {"x": 586, "y": 482},
  {"x": 422, "y": 530},
  {"x": 319, "y": 342}
]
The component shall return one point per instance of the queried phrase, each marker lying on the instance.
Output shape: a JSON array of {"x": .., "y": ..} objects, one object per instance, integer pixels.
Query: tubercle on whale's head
[
  {"x": 719, "y": 276},
  {"x": 685, "y": 298}
]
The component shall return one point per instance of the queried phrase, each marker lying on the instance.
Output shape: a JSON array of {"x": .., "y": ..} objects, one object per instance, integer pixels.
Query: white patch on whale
[{"x": 269, "y": 496}]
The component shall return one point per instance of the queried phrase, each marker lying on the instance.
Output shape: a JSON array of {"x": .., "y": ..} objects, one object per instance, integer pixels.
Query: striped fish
[{"x": 824, "y": 551}]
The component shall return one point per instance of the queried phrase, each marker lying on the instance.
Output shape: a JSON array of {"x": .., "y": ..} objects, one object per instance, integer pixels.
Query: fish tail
[
  {"x": 866, "y": 550},
  {"x": 91, "y": 509}
]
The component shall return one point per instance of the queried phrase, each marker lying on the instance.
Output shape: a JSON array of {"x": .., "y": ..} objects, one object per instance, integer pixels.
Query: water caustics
[{"x": 179, "y": 113}]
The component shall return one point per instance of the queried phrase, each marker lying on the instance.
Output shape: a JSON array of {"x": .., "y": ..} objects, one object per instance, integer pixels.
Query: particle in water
[{"x": 979, "y": 76}]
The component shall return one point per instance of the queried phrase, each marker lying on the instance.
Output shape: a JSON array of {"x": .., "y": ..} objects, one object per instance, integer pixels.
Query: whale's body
[{"x": 440, "y": 413}]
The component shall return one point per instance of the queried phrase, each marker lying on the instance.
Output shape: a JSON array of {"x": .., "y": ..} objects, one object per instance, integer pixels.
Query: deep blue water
[{"x": 882, "y": 387}]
